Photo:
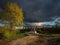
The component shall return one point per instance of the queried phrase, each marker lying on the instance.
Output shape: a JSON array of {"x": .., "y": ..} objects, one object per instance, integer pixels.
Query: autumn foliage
[{"x": 13, "y": 14}]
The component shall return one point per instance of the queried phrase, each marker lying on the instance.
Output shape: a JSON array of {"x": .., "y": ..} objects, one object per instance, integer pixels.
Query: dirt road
[{"x": 32, "y": 40}]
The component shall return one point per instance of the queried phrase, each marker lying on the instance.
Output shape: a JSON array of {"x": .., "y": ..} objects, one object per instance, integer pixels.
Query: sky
[{"x": 37, "y": 10}]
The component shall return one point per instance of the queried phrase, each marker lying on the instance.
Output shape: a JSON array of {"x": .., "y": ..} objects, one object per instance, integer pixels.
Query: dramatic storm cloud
[{"x": 38, "y": 10}]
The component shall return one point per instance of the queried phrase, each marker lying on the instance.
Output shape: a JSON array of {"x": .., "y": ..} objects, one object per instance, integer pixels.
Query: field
[{"x": 45, "y": 36}]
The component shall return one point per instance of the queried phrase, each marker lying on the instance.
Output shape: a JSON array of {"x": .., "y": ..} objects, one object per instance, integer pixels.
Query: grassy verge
[
  {"x": 6, "y": 34},
  {"x": 48, "y": 35}
]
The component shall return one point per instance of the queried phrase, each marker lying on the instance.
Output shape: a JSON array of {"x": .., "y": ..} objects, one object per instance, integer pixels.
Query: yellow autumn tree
[{"x": 13, "y": 14}]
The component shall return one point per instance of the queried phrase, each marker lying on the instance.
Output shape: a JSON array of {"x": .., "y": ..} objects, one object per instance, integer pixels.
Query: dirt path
[
  {"x": 24, "y": 41},
  {"x": 31, "y": 40}
]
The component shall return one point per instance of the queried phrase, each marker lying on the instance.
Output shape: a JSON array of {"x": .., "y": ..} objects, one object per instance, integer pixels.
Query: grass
[
  {"x": 10, "y": 35},
  {"x": 54, "y": 35},
  {"x": 57, "y": 40},
  {"x": 16, "y": 34}
]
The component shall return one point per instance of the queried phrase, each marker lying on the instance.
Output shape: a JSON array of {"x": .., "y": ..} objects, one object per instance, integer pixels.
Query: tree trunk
[{"x": 12, "y": 26}]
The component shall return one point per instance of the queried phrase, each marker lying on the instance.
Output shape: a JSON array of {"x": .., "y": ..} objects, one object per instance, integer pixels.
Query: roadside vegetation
[
  {"x": 11, "y": 17},
  {"x": 6, "y": 34}
]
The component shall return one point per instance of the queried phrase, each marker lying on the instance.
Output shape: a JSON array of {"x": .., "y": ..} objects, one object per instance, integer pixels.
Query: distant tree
[{"x": 13, "y": 15}]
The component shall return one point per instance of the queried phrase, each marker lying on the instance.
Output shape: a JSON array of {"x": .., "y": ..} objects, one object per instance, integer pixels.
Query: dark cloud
[{"x": 38, "y": 10}]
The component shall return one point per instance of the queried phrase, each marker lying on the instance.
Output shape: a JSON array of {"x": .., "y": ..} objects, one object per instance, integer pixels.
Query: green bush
[
  {"x": 5, "y": 33},
  {"x": 9, "y": 34}
]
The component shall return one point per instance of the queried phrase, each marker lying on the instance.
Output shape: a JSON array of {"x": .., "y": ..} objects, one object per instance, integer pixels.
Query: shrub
[
  {"x": 10, "y": 34},
  {"x": 5, "y": 33}
]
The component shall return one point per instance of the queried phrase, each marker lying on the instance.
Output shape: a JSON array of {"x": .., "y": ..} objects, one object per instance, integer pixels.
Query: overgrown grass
[
  {"x": 6, "y": 34},
  {"x": 54, "y": 35},
  {"x": 13, "y": 35},
  {"x": 55, "y": 41},
  {"x": 58, "y": 40}
]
